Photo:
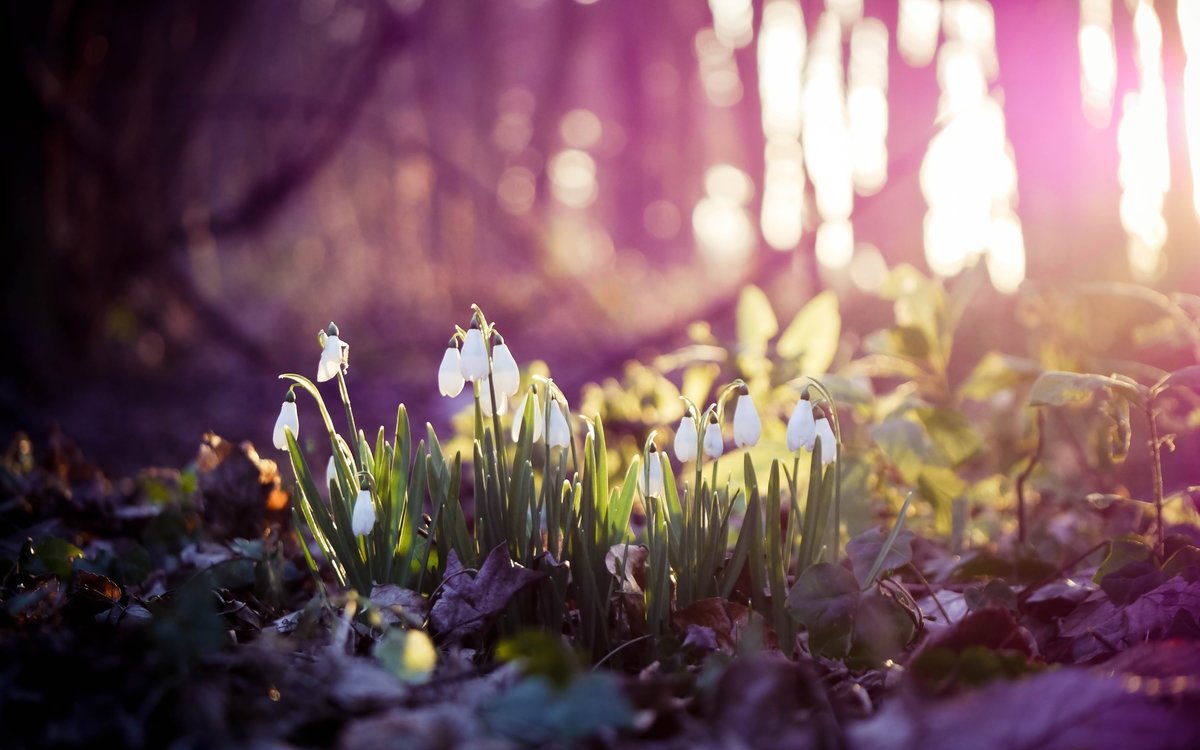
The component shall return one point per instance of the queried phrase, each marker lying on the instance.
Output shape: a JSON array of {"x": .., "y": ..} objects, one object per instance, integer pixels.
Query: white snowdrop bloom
[
  {"x": 747, "y": 427},
  {"x": 714, "y": 444},
  {"x": 505, "y": 372},
  {"x": 330, "y": 472},
  {"x": 519, "y": 416},
  {"x": 829, "y": 446},
  {"x": 334, "y": 356},
  {"x": 654, "y": 487},
  {"x": 485, "y": 399},
  {"x": 801, "y": 430},
  {"x": 474, "y": 357},
  {"x": 287, "y": 418},
  {"x": 363, "y": 518},
  {"x": 450, "y": 379},
  {"x": 558, "y": 433},
  {"x": 685, "y": 440}
]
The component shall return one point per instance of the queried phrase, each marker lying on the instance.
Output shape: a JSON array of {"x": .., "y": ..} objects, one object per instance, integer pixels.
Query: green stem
[
  {"x": 1156, "y": 468},
  {"x": 362, "y": 456}
]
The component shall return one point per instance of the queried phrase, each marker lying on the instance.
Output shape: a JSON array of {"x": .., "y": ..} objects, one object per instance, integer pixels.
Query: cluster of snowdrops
[{"x": 394, "y": 515}]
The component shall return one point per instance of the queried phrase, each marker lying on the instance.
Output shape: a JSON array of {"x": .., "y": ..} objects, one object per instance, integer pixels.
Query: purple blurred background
[{"x": 193, "y": 188}]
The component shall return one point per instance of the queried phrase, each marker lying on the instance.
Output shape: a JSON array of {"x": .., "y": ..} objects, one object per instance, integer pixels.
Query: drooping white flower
[
  {"x": 747, "y": 427},
  {"x": 474, "y": 358},
  {"x": 485, "y": 399},
  {"x": 558, "y": 432},
  {"x": 519, "y": 417},
  {"x": 363, "y": 518},
  {"x": 450, "y": 379},
  {"x": 331, "y": 471},
  {"x": 714, "y": 443},
  {"x": 801, "y": 430},
  {"x": 334, "y": 356},
  {"x": 651, "y": 486},
  {"x": 505, "y": 372},
  {"x": 685, "y": 440},
  {"x": 287, "y": 418},
  {"x": 829, "y": 446}
]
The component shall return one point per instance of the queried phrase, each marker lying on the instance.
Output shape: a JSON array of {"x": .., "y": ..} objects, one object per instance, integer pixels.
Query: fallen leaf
[
  {"x": 865, "y": 548},
  {"x": 722, "y": 618},
  {"x": 1058, "y": 710},
  {"x": 466, "y": 605}
]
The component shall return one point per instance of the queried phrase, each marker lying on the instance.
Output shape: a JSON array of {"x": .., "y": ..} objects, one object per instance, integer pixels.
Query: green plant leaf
[
  {"x": 825, "y": 599},
  {"x": 997, "y": 372},
  {"x": 906, "y": 445},
  {"x": 1057, "y": 388},
  {"x": 534, "y": 712},
  {"x": 812, "y": 336},
  {"x": 955, "y": 438},
  {"x": 756, "y": 322}
]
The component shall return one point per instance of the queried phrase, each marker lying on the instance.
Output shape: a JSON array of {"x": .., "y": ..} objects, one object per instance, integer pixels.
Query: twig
[
  {"x": 1024, "y": 477},
  {"x": 932, "y": 594},
  {"x": 620, "y": 648},
  {"x": 1031, "y": 588}
]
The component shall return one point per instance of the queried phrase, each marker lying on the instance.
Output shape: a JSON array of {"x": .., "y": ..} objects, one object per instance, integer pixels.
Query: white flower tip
[
  {"x": 450, "y": 379},
  {"x": 474, "y": 359},
  {"x": 505, "y": 371},
  {"x": 685, "y": 440},
  {"x": 747, "y": 427},
  {"x": 287, "y": 419},
  {"x": 363, "y": 519},
  {"x": 714, "y": 443},
  {"x": 333, "y": 357},
  {"x": 559, "y": 433}
]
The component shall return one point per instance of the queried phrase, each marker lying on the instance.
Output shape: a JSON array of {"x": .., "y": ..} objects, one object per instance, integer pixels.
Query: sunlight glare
[
  {"x": 917, "y": 31},
  {"x": 1097, "y": 60}
]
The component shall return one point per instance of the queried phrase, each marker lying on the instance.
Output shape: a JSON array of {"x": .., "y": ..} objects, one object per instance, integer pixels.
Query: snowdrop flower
[
  {"x": 685, "y": 440},
  {"x": 714, "y": 444},
  {"x": 829, "y": 446},
  {"x": 331, "y": 472},
  {"x": 505, "y": 372},
  {"x": 747, "y": 427},
  {"x": 474, "y": 357},
  {"x": 485, "y": 398},
  {"x": 558, "y": 434},
  {"x": 363, "y": 518},
  {"x": 519, "y": 417},
  {"x": 287, "y": 418},
  {"x": 801, "y": 430},
  {"x": 653, "y": 487},
  {"x": 450, "y": 379},
  {"x": 334, "y": 356}
]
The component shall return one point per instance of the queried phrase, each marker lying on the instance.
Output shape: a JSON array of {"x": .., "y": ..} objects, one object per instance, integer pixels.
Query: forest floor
[{"x": 173, "y": 608}]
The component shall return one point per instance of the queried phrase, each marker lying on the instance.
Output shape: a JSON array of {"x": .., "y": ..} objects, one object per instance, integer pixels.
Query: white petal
[
  {"x": 714, "y": 444},
  {"x": 800, "y": 429},
  {"x": 331, "y": 359},
  {"x": 363, "y": 519},
  {"x": 450, "y": 379},
  {"x": 287, "y": 418},
  {"x": 485, "y": 399},
  {"x": 558, "y": 434},
  {"x": 330, "y": 472},
  {"x": 505, "y": 371},
  {"x": 655, "y": 486},
  {"x": 474, "y": 357},
  {"x": 519, "y": 417},
  {"x": 747, "y": 428},
  {"x": 685, "y": 440},
  {"x": 828, "y": 441}
]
